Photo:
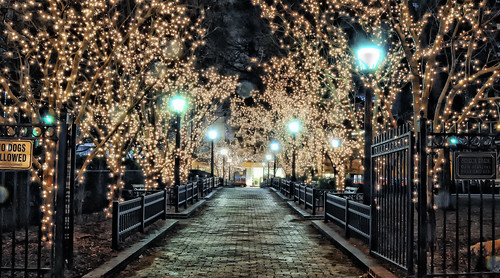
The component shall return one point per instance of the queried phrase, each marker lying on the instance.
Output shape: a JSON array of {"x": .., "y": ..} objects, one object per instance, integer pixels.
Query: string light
[{"x": 110, "y": 69}]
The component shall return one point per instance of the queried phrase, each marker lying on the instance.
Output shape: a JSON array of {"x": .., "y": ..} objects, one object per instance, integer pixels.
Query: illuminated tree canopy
[{"x": 111, "y": 65}]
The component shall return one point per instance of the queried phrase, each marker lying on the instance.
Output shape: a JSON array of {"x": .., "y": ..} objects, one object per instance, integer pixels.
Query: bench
[
  {"x": 351, "y": 190},
  {"x": 350, "y": 193}
]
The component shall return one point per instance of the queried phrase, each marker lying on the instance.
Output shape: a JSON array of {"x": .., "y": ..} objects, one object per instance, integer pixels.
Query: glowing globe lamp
[
  {"x": 335, "y": 143},
  {"x": 212, "y": 134},
  {"x": 275, "y": 146},
  {"x": 369, "y": 57},
  {"x": 178, "y": 104},
  {"x": 294, "y": 126},
  {"x": 269, "y": 157}
]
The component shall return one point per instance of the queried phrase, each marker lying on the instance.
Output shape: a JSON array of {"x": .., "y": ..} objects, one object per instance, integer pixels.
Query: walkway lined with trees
[{"x": 244, "y": 233}]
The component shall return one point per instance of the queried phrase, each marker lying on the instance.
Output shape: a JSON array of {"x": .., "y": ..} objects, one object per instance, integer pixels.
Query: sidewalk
[
  {"x": 125, "y": 257},
  {"x": 244, "y": 232},
  {"x": 367, "y": 263}
]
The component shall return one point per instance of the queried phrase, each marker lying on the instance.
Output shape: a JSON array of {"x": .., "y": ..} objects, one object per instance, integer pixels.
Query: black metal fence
[
  {"x": 305, "y": 195},
  {"x": 308, "y": 197},
  {"x": 435, "y": 200},
  {"x": 27, "y": 249},
  {"x": 458, "y": 202},
  {"x": 136, "y": 214},
  {"x": 392, "y": 203},
  {"x": 354, "y": 217},
  {"x": 184, "y": 194}
]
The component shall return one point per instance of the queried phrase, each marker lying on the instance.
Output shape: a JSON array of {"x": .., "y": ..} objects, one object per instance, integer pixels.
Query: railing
[
  {"x": 266, "y": 182},
  {"x": 286, "y": 187},
  {"x": 134, "y": 215},
  {"x": 352, "y": 216},
  {"x": 310, "y": 197},
  {"x": 207, "y": 185},
  {"x": 187, "y": 193},
  {"x": 307, "y": 196}
]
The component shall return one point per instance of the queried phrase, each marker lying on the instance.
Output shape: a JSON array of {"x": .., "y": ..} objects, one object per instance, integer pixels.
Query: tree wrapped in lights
[
  {"x": 105, "y": 63},
  {"x": 204, "y": 91},
  {"x": 310, "y": 82},
  {"x": 66, "y": 56},
  {"x": 446, "y": 54}
]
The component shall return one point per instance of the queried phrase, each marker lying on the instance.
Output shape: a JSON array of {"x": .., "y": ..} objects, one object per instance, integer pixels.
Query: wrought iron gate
[
  {"x": 24, "y": 252},
  {"x": 392, "y": 202},
  {"x": 458, "y": 207}
]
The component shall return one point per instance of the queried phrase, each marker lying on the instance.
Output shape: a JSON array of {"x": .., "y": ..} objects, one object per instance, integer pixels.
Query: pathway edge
[
  {"x": 118, "y": 263},
  {"x": 360, "y": 258}
]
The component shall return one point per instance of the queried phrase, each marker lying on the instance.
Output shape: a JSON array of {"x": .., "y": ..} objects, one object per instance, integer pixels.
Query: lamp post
[
  {"x": 224, "y": 153},
  {"x": 275, "y": 146},
  {"x": 268, "y": 158},
  {"x": 369, "y": 58},
  {"x": 229, "y": 160},
  {"x": 294, "y": 127},
  {"x": 335, "y": 143},
  {"x": 178, "y": 105},
  {"x": 212, "y": 135}
]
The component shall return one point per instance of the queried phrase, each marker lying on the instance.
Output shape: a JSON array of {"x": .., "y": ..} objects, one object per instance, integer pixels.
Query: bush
[{"x": 326, "y": 183}]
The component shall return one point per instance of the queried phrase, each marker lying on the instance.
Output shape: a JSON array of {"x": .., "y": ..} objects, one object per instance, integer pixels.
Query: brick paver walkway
[{"x": 244, "y": 232}]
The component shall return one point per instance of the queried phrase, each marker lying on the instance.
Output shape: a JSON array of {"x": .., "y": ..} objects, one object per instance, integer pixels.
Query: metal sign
[
  {"x": 476, "y": 165},
  {"x": 16, "y": 154}
]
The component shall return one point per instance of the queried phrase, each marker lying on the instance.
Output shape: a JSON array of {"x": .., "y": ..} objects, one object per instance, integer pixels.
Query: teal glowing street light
[
  {"x": 177, "y": 104},
  {"x": 453, "y": 141},
  {"x": 275, "y": 146},
  {"x": 294, "y": 127},
  {"x": 369, "y": 57},
  {"x": 335, "y": 143}
]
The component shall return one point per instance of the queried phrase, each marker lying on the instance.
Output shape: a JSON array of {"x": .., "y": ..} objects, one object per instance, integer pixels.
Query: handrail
[
  {"x": 134, "y": 215},
  {"x": 352, "y": 216}
]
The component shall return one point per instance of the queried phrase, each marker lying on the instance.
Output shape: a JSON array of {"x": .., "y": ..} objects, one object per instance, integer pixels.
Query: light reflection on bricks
[{"x": 244, "y": 232}]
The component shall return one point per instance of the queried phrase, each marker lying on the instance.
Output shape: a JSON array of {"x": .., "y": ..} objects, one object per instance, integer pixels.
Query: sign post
[{"x": 16, "y": 154}]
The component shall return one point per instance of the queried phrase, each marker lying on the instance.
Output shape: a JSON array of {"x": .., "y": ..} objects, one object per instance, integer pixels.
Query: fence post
[
  {"x": 176, "y": 194},
  {"x": 61, "y": 179},
  {"x": 324, "y": 205},
  {"x": 143, "y": 213},
  {"x": 346, "y": 218},
  {"x": 313, "y": 201},
  {"x": 186, "y": 188},
  {"x": 195, "y": 187},
  {"x": 115, "y": 227},
  {"x": 422, "y": 198},
  {"x": 300, "y": 192},
  {"x": 303, "y": 189},
  {"x": 165, "y": 203}
]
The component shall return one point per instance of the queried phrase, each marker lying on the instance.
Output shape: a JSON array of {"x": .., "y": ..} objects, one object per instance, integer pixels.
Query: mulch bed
[
  {"x": 92, "y": 243},
  {"x": 92, "y": 246}
]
